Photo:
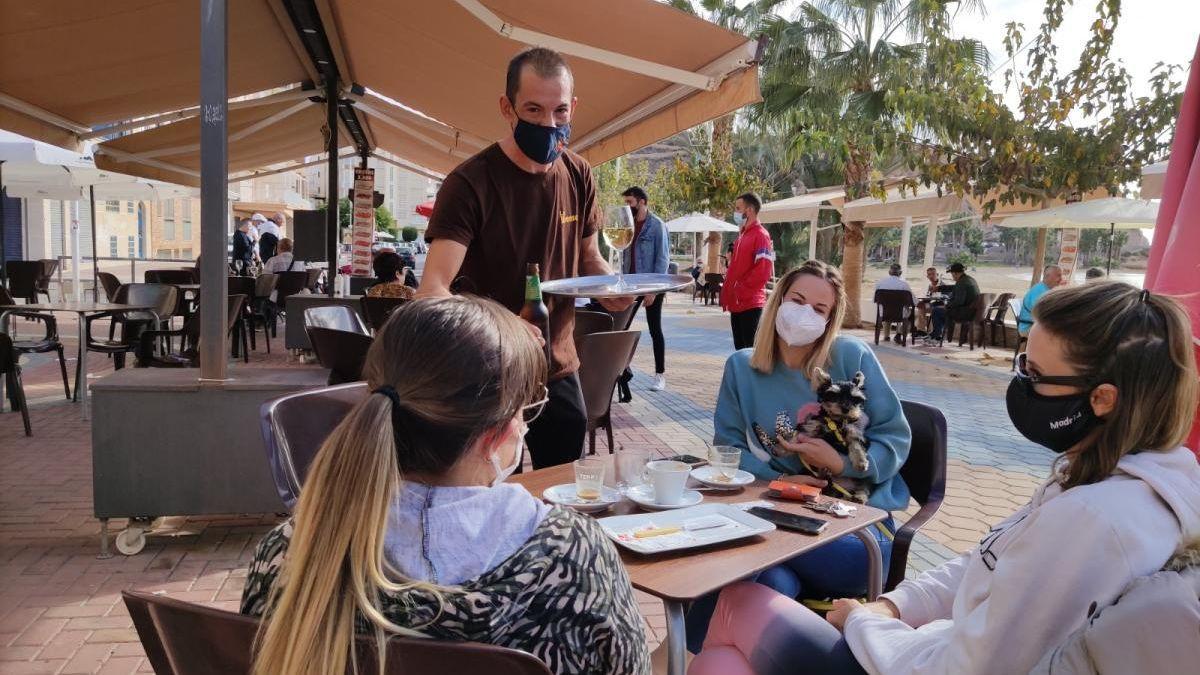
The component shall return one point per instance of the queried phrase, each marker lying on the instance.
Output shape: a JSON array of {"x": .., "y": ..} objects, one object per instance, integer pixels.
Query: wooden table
[
  {"x": 82, "y": 309},
  {"x": 681, "y": 577}
]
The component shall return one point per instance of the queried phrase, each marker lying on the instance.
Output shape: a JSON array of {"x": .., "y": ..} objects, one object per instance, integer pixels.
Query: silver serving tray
[{"x": 603, "y": 286}]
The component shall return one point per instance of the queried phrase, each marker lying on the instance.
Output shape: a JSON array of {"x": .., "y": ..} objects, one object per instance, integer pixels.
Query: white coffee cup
[{"x": 668, "y": 478}]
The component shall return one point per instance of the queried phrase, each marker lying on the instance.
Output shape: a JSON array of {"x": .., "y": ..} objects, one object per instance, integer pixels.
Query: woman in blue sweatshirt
[{"x": 797, "y": 335}]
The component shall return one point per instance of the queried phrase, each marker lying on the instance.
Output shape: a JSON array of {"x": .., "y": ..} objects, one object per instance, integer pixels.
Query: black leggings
[
  {"x": 745, "y": 327},
  {"x": 654, "y": 320}
]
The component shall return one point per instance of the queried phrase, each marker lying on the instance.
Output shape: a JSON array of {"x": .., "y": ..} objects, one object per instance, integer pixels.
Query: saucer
[
  {"x": 643, "y": 496},
  {"x": 709, "y": 476},
  {"x": 564, "y": 495}
]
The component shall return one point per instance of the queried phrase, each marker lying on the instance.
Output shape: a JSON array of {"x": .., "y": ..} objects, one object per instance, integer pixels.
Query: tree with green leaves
[
  {"x": 830, "y": 78},
  {"x": 385, "y": 221},
  {"x": 409, "y": 233}
]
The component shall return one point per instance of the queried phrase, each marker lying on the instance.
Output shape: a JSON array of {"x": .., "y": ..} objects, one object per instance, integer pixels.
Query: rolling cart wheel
[{"x": 131, "y": 540}]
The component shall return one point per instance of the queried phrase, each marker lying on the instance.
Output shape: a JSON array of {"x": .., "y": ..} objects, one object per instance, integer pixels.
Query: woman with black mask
[{"x": 1109, "y": 384}]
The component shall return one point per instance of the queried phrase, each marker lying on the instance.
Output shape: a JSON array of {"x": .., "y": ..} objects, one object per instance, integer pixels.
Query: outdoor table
[
  {"x": 681, "y": 577},
  {"x": 82, "y": 309}
]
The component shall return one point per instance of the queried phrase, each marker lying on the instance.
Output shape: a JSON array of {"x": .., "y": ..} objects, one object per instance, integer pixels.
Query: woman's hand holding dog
[{"x": 814, "y": 451}]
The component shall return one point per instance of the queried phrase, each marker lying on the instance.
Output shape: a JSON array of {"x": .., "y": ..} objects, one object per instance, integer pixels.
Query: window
[
  {"x": 112, "y": 247},
  {"x": 129, "y": 207},
  {"x": 132, "y": 248},
  {"x": 164, "y": 253},
  {"x": 187, "y": 230},
  {"x": 187, "y": 254},
  {"x": 187, "y": 219},
  {"x": 169, "y": 220},
  {"x": 112, "y": 207}
]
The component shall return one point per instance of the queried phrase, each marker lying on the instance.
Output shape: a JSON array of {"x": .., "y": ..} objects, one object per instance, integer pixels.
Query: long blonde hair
[
  {"x": 462, "y": 367},
  {"x": 766, "y": 344}
]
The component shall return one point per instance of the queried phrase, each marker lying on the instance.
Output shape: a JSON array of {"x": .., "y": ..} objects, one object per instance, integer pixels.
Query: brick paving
[{"x": 60, "y": 609}]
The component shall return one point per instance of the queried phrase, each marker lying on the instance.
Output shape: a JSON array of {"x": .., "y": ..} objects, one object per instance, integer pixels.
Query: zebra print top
[{"x": 563, "y": 596}]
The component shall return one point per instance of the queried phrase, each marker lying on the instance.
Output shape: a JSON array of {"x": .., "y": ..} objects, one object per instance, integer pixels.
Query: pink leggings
[{"x": 757, "y": 631}]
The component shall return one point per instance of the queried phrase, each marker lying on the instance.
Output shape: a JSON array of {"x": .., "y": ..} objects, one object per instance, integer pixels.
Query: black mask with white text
[{"x": 1054, "y": 422}]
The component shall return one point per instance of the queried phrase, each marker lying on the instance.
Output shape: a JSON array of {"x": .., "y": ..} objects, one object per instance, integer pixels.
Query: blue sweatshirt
[{"x": 749, "y": 396}]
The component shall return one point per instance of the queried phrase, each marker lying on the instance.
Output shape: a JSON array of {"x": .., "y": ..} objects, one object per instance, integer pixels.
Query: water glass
[
  {"x": 631, "y": 468},
  {"x": 589, "y": 478},
  {"x": 724, "y": 460}
]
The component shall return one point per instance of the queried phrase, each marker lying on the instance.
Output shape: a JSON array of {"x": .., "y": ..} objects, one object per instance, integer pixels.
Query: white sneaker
[{"x": 660, "y": 382}]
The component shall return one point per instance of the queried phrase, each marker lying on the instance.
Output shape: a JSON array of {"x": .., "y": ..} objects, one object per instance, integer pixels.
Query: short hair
[
  {"x": 637, "y": 193},
  {"x": 1051, "y": 268},
  {"x": 750, "y": 199},
  {"x": 387, "y": 266},
  {"x": 931, "y": 269},
  {"x": 895, "y": 270},
  {"x": 285, "y": 245},
  {"x": 545, "y": 62},
  {"x": 1094, "y": 273}
]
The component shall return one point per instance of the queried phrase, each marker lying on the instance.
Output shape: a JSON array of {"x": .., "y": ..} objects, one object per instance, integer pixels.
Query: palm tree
[{"x": 829, "y": 76}]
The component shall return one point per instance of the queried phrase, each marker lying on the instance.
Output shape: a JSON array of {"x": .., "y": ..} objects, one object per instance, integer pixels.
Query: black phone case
[{"x": 790, "y": 521}]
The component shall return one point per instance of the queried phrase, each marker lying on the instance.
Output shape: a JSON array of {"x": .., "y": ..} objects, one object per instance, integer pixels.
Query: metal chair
[
  {"x": 294, "y": 427},
  {"x": 343, "y": 352},
  {"x": 602, "y": 358},
  {"x": 924, "y": 472},
  {"x": 337, "y": 317},
  {"x": 895, "y": 306},
  {"x": 10, "y": 368},
  {"x": 377, "y": 310},
  {"x": 192, "y": 639},
  {"x": 996, "y": 315},
  {"x": 49, "y": 342}
]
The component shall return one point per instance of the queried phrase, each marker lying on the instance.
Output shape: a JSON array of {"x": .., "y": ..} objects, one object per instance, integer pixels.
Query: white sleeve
[
  {"x": 930, "y": 596},
  {"x": 1042, "y": 582}
]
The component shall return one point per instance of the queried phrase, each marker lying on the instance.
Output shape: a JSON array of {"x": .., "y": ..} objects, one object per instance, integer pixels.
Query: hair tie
[
  {"x": 1145, "y": 297},
  {"x": 390, "y": 392}
]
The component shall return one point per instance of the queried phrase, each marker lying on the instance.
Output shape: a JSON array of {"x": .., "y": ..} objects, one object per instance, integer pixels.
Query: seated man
[
  {"x": 1052, "y": 277},
  {"x": 894, "y": 281},
  {"x": 284, "y": 260},
  {"x": 960, "y": 306}
]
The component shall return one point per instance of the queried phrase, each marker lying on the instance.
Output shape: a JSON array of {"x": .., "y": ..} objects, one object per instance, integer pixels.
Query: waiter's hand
[
  {"x": 536, "y": 333},
  {"x": 616, "y": 304}
]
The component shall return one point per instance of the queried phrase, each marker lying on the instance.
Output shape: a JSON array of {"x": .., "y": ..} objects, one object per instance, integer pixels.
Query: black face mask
[{"x": 1054, "y": 422}]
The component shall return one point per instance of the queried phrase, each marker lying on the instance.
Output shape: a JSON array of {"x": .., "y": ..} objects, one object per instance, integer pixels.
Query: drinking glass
[
  {"x": 589, "y": 477},
  {"x": 724, "y": 460},
  {"x": 618, "y": 232},
  {"x": 631, "y": 468}
]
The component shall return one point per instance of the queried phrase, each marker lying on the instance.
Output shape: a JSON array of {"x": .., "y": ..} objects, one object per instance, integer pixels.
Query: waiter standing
[{"x": 526, "y": 199}]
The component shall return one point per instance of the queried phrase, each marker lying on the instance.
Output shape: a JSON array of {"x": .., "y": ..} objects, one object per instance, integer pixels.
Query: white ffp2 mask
[
  {"x": 503, "y": 472},
  {"x": 799, "y": 325}
]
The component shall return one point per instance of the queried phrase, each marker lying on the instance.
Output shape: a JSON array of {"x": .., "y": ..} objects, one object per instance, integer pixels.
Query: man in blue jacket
[{"x": 648, "y": 254}]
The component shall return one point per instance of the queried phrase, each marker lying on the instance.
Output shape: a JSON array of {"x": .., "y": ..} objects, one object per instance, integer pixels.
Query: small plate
[
  {"x": 564, "y": 495},
  {"x": 708, "y": 476},
  {"x": 643, "y": 496}
]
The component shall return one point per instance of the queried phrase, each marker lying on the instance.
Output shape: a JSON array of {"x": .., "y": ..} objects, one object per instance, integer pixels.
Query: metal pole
[
  {"x": 95, "y": 261},
  {"x": 3, "y": 253},
  {"x": 76, "y": 256},
  {"x": 905, "y": 235},
  {"x": 1112, "y": 232},
  {"x": 214, "y": 191},
  {"x": 332, "y": 198},
  {"x": 812, "y": 238}
]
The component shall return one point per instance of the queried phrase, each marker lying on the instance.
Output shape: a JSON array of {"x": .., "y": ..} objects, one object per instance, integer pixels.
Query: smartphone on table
[
  {"x": 790, "y": 521},
  {"x": 693, "y": 460}
]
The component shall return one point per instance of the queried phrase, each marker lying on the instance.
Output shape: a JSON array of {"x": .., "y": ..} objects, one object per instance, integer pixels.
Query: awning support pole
[
  {"x": 3, "y": 254},
  {"x": 332, "y": 201},
  {"x": 214, "y": 188},
  {"x": 812, "y": 238},
  {"x": 95, "y": 261},
  {"x": 931, "y": 231},
  {"x": 1112, "y": 232},
  {"x": 905, "y": 236}
]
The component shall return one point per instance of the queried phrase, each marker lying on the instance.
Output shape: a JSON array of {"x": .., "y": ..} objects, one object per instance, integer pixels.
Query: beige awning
[
  {"x": 802, "y": 207},
  {"x": 1153, "y": 177},
  {"x": 922, "y": 203},
  {"x": 643, "y": 72}
]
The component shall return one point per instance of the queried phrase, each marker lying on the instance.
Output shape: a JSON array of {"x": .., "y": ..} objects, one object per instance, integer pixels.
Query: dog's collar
[{"x": 837, "y": 433}]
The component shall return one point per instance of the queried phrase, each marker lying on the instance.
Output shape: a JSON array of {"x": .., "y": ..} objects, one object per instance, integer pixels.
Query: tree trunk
[
  {"x": 722, "y": 140},
  {"x": 852, "y": 271},
  {"x": 1039, "y": 257}
]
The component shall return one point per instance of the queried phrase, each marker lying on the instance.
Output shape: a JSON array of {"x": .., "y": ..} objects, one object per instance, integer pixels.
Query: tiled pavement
[{"x": 60, "y": 609}]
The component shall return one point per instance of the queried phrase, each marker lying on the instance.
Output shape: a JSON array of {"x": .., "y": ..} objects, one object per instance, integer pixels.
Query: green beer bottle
[{"x": 534, "y": 311}]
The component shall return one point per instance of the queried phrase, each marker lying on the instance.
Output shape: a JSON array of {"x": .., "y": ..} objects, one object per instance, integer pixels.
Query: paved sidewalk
[{"x": 60, "y": 609}]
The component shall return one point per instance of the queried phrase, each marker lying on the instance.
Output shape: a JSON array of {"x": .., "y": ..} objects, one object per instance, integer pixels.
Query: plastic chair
[
  {"x": 343, "y": 352},
  {"x": 10, "y": 368},
  {"x": 287, "y": 284},
  {"x": 996, "y": 315},
  {"x": 602, "y": 358},
  {"x": 978, "y": 319},
  {"x": 138, "y": 606},
  {"x": 587, "y": 323},
  {"x": 194, "y": 639},
  {"x": 924, "y": 472},
  {"x": 260, "y": 306},
  {"x": 712, "y": 287},
  {"x": 188, "y": 355},
  {"x": 244, "y": 332},
  {"x": 49, "y": 267},
  {"x": 49, "y": 342},
  {"x": 1014, "y": 306},
  {"x": 110, "y": 283},
  {"x": 160, "y": 298},
  {"x": 898, "y": 307},
  {"x": 172, "y": 276},
  {"x": 337, "y": 317},
  {"x": 23, "y": 276},
  {"x": 377, "y": 310},
  {"x": 313, "y": 279},
  {"x": 294, "y": 427}
]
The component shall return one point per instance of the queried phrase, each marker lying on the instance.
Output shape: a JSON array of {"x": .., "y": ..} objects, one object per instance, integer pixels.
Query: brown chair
[
  {"x": 198, "y": 640},
  {"x": 377, "y": 310},
  {"x": 49, "y": 342},
  {"x": 260, "y": 306},
  {"x": 924, "y": 472},
  {"x": 287, "y": 284},
  {"x": 313, "y": 279},
  {"x": 343, "y": 352},
  {"x": 49, "y": 267},
  {"x": 712, "y": 287},
  {"x": 295, "y": 426},
  {"x": 966, "y": 329},
  {"x": 174, "y": 277},
  {"x": 895, "y": 306},
  {"x": 602, "y": 358},
  {"x": 110, "y": 283},
  {"x": 161, "y": 300},
  {"x": 337, "y": 317},
  {"x": 188, "y": 355},
  {"x": 587, "y": 323},
  {"x": 996, "y": 314},
  {"x": 23, "y": 277},
  {"x": 138, "y": 605},
  {"x": 10, "y": 368},
  {"x": 243, "y": 334}
]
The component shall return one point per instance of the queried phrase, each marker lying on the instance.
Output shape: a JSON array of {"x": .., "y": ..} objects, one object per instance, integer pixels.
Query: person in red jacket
[{"x": 750, "y": 267}]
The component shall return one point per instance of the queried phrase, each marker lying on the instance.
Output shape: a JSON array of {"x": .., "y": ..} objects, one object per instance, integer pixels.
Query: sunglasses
[
  {"x": 534, "y": 410},
  {"x": 1022, "y": 369}
]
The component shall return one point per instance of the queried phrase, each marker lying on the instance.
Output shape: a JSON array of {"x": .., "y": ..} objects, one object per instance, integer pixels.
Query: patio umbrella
[
  {"x": 425, "y": 208},
  {"x": 699, "y": 223},
  {"x": 1174, "y": 267},
  {"x": 1111, "y": 213}
]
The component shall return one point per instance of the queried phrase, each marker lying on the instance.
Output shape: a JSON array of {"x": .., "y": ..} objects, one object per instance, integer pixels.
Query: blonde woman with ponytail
[{"x": 406, "y": 526}]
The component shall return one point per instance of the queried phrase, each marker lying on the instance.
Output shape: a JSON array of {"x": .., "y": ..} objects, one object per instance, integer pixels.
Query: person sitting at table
[
  {"x": 1122, "y": 498},
  {"x": 960, "y": 306},
  {"x": 284, "y": 260},
  {"x": 925, "y": 307},
  {"x": 1052, "y": 277},
  {"x": 800, "y": 333},
  {"x": 405, "y": 524},
  {"x": 1093, "y": 274},
  {"x": 894, "y": 281},
  {"x": 389, "y": 274}
]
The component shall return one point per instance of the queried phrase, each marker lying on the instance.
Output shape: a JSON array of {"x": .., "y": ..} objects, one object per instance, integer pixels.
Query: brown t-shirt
[{"x": 507, "y": 218}]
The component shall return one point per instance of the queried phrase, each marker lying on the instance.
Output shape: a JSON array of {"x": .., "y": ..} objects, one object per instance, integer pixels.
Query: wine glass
[{"x": 618, "y": 231}]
